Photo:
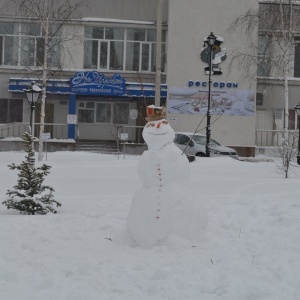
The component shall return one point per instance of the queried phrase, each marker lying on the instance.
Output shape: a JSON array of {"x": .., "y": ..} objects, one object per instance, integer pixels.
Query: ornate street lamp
[
  {"x": 297, "y": 109},
  {"x": 210, "y": 41},
  {"x": 33, "y": 94}
]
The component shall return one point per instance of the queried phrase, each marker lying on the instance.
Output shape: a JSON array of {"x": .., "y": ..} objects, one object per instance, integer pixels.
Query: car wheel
[{"x": 200, "y": 154}]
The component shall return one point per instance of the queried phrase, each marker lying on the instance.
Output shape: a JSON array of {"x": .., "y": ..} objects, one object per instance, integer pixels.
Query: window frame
[
  {"x": 95, "y": 108},
  {"x": 15, "y": 54},
  {"x": 11, "y": 110},
  {"x": 147, "y": 40},
  {"x": 263, "y": 57}
]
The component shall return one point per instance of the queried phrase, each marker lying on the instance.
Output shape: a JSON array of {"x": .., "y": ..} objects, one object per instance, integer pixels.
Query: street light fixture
[
  {"x": 297, "y": 109},
  {"x": 32, "y": 93},
  {"x": 210, "y": 41}
]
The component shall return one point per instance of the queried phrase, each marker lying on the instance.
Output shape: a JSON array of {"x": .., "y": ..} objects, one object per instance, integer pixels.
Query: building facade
[
  {"x": 102, "y": 79},
  {"x": 101, "y": 69},
  {"x": 232, "y": 96},
  {"x": 278, "y": 84}
]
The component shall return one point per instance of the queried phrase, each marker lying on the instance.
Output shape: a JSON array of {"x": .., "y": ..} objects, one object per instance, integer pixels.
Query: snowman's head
[{"x": 158, "y": 134}]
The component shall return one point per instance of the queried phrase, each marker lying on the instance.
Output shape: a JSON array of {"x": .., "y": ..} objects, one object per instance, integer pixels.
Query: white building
[
  {"x": 233, "y": 99},
  {"x": 103, "y": 76},
  {"x": 117, "y": 49}
]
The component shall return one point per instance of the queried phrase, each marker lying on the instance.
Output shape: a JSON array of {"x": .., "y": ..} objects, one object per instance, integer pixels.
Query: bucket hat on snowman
[{"x": 155, "y": 113}]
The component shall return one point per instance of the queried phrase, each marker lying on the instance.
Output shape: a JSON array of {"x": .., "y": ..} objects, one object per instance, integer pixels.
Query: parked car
[{"x": 195, "y": 144}]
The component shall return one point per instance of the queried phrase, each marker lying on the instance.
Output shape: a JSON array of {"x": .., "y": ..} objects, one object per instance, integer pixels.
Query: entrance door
[{"x": 49, "y": 117}]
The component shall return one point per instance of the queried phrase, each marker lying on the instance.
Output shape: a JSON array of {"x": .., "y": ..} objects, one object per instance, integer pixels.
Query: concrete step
[{"x": 97, "y": 147}]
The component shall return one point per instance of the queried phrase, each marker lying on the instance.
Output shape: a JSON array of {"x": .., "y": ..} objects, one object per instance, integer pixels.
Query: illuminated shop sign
[
  {"x": 216, "y": 84},
  {"x": 95, "y": 83}
]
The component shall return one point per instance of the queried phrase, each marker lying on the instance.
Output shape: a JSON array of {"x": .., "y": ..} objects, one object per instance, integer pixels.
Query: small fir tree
[{"x": 30, "y": 196}]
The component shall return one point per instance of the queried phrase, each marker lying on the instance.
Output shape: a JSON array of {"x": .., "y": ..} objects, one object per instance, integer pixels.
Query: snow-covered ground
[{"x": 251, "y": 249}]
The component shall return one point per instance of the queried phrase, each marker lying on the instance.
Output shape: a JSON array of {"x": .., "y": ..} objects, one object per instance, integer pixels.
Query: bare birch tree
[
  {"x": 54, "y": 18},
  {"x": 277, "y": 23}
]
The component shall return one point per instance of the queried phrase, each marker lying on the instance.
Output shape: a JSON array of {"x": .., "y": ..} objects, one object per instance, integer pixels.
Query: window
[
  {"x": 94, "y": 32},
  {"x": 293, "y": 120},
  {"x": 116, "y": 56},
  {"x": 182, "y": 139},
  {"x": 11, "y": 110},
  {"x": 86, "y": 112},
  {"x": 132, "y": 56},
  {"x": 103, "y": 112},
  {"x": 54, "y": 52},
  {"x": 23, "y": 44},
  {"x": 121, "y": 113},
  {"x": 130, "y": 49},
  {"x": 201, "y": 140},
  {"x": 85, "y": 116},
  {"x": 264, "y": 63},
  {"x": 259, "y": 98},
  {"x": 136, "y": 34},
  {"x": 91, "y": 54},
  {"x": 114, "y": 34},
  {"x": 27, "y": 51}
]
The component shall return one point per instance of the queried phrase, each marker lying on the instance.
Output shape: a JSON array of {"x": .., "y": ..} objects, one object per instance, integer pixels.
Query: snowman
[{"x": 164, "y": 205}]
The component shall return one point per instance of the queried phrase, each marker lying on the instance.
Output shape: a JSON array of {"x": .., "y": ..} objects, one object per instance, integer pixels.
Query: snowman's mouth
[{"x": 157, "y": 133}]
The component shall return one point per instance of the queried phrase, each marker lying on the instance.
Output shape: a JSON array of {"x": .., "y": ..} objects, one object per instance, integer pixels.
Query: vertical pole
[
  {"x": 208, "y": 116},
  {"x": 158, "y": 52},
  {"x": 32, "y": 106},
  {"x": 72, "y": 111},
  {"x": 298, "y": 156},
  {"x": 46, "y": 146},
  {"x": 31, "y": 117},
  {"x": 33, "y": 120}
]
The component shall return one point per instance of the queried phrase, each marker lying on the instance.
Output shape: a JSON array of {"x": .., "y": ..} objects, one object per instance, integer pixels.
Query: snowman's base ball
[{"x": 155, "y": 215}]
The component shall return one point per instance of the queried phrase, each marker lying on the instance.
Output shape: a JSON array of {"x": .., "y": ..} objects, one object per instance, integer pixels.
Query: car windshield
[{"x": 201, "y": 140}]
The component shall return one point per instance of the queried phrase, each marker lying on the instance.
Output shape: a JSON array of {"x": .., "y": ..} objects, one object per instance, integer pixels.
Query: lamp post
[
  {"x": 32, "y": 93},
  {"x": 210, "y": 41},
  {"x": 297, "y": 109}
]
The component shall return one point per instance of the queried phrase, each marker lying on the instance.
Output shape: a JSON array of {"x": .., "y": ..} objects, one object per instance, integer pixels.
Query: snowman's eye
[{"x": 150, "y": 125}]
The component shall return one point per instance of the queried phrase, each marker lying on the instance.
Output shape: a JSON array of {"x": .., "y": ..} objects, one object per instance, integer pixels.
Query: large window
[
  {"x": 23, "y": 44},
  {"x": 103, "y": 112},
  {"x": 11, "y": 110},
  {"x": 122, "y": 49},
  {"x": 264, "y": 62}
]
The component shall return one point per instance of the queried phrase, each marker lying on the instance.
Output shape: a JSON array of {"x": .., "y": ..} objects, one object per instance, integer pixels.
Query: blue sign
[{"x": 95, "y": 83}]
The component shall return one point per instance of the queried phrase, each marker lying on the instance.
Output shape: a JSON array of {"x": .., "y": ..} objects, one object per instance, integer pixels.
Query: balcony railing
[
  {"x": 13, "y": 130},
  {"x": 275, "y": 138},
  {"x": 264, "y": 138}
]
